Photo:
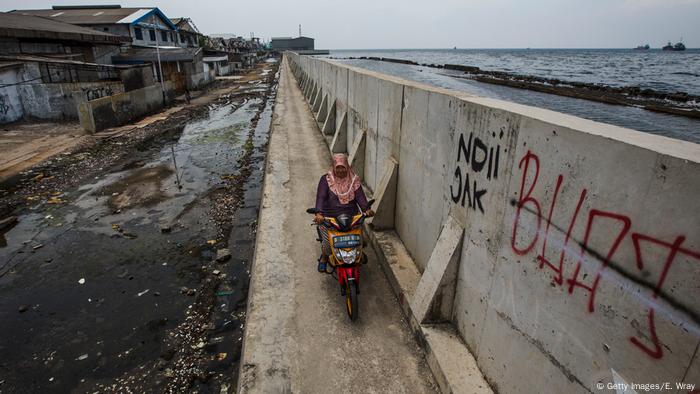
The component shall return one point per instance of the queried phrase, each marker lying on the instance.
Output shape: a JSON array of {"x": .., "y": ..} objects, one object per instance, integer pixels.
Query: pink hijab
[{"x": 344, "y": 187}]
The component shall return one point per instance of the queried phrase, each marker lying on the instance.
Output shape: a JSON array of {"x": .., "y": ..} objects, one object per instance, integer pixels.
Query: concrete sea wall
[{"x": 565, "y": 252}]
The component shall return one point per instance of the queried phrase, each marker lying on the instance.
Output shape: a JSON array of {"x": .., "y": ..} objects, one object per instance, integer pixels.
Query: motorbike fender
[{"x": 346, "y": 273}]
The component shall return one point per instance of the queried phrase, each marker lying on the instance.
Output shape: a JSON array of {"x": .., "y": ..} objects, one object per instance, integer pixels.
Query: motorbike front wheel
[{"x": 351, "y": 300}]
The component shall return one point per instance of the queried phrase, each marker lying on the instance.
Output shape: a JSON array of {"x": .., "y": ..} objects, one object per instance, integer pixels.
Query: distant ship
[
  {"x": 676, "y": 47},
  {"x": 643, "y": 47}
]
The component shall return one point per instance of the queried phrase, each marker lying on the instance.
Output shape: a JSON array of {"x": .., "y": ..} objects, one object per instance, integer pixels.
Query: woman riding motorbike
[{"x": 339, "y": 192}]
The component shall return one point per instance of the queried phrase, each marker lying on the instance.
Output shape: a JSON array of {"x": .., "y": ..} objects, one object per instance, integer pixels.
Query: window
[
  {"x": 164, "y": 36},
  {"x": 138, "y": 34},
  {"x": 152, "y": 34},
  {"x": 105, "y": 28}
]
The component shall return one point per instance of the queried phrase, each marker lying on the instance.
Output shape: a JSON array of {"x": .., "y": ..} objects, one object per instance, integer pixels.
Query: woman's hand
[
  {"x": 369, "y": 213},
  {"x": 318, "y": 218}
]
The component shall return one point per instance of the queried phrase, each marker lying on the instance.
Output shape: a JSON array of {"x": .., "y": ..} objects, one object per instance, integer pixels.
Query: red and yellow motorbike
[{"x": 345, "y": 237}]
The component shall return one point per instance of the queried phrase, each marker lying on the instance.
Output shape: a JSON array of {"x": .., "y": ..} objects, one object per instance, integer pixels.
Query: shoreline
[{"x": 679, "y": 103}]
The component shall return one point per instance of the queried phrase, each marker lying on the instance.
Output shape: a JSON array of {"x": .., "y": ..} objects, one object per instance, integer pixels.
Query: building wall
[
  {"x": 299, "y": 43},
  {"x": 121, "y": 108},
  {"x": 146, "y": 37},
  {"x": 47, "y": 101},
  {"x": 10, "y": 102},
  {"x": 581, "y": 255}
]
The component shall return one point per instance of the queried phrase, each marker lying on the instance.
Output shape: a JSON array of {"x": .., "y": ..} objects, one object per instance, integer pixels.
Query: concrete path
[{"x": 298, "y": 336}]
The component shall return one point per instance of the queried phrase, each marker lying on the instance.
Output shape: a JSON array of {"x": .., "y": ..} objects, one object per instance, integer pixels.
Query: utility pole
[
  {"x": 160, "y": 67},
  {"x": 299, "y": 30}
]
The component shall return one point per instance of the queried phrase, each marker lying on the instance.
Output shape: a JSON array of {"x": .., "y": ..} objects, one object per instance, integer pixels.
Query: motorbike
[{"x": 345, "y": 237}]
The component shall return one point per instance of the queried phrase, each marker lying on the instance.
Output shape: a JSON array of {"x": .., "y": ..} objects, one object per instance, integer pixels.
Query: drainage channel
[{"x": 139, "y": 283}]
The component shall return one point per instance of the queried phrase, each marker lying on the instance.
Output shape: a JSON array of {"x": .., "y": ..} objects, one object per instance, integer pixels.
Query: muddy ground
[{"x": 127, "y": 268}]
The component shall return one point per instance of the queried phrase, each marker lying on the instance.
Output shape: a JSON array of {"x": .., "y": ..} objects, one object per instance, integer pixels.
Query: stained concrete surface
[{"x": 298, "y": 336}]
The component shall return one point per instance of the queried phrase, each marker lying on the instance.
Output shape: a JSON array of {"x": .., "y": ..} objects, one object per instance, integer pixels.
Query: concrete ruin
[{"x": 548, "y": 252}]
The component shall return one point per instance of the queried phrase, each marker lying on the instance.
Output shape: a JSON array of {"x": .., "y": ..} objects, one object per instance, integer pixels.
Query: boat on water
[
  {"x": 643, "y": 47},
  {"x": 679, "y": 46}
]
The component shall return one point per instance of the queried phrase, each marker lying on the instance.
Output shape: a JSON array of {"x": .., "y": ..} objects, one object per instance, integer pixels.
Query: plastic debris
[
  {"x": 142, "y": 293},
  {"x": 221, "y": 356},
  {"x": 23, "y": 308},
  {"x": 82, "y": 357},
  {"x": 81, "y": 281},
  {"x": 55, "y": 200},
  {"x": 224, "y": 293},
  {"x": 223, "y": 255},
  {"x": 211, "y": 242}
]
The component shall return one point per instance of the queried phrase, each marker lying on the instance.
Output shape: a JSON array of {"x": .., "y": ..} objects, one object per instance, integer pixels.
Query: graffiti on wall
[
  {"x": 552, "y": 257},
  {"x": 95, "y": 92},
  {"x": 4, "y": 107},
  {"x": 476, "y": 161}
]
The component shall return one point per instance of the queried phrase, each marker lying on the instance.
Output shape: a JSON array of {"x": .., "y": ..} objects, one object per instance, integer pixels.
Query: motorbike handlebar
[{"x": 314, "y": 211}]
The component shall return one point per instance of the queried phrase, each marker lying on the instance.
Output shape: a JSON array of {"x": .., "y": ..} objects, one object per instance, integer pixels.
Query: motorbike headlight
[{"x": 347, "y": 256}]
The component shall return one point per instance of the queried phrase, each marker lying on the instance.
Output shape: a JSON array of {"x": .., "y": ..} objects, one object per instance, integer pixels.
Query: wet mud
[{"x": 127, "y": 268}]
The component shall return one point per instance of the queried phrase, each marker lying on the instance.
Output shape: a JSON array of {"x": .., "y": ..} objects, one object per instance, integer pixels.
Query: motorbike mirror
[
  {"x": 312, "y": 210},
  {"x": 370, "y": 202}
]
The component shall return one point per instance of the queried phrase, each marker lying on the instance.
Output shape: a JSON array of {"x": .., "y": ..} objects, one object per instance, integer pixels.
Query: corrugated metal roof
[
  {"x": 44, "y": 59},
  {"x": 151, "y": 55},
  {"x": 86, "y": 16},
  {"x": 29, "y": 26},
  {"x": 131, "y": 18},
  {"x": 209, "y": 59}
]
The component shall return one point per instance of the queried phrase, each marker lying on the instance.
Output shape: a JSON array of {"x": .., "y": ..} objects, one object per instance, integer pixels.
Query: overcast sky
[{"x": 369, "y": 24}]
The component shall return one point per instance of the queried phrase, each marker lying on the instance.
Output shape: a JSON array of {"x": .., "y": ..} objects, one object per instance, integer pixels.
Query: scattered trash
[
  {"x": 211, "y": 242},
  {"x": 23, "y": 308},
  {"x": 224, "y": 388},
  {"x": 82, "y": 357},
  {"x": 120, "y": 230},
  {"x": 142, "y": 293},
  {"x": 223, "y": 255},
  {"x": 224, "y": 293},
  {"x": 55, "y": 200},
  {"x": 81, "y": 281},
  {"x": 166, "y": 229},
  {"x": 156, "y": 293},
  {"x": 221, "y": 356},
  {"x": 189, "y": 292},
  {"x": 51, "y": 379},
  {"x": 216, "y": 272},
  {"x": 35, "y": 247},
  {"x": 200, "y": 345}
]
